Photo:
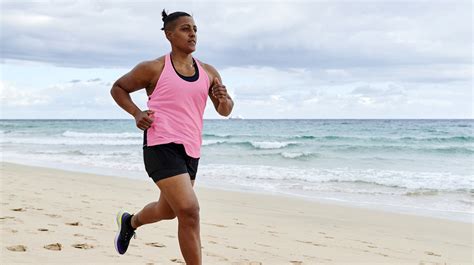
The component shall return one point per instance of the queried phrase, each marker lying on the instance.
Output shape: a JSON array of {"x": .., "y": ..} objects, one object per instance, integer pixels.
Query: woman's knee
[{"x": 189, "y": 214}]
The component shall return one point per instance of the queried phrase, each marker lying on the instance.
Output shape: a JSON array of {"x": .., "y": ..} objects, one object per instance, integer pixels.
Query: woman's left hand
[{"x": 219, "y": 91}]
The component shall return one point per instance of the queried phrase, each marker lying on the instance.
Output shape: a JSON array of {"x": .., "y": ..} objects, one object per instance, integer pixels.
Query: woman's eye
[{"x": 189, "y": 29}]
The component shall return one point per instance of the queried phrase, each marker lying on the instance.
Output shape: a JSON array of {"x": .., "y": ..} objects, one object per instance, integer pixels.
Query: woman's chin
[{"x": 192, "y": 48}]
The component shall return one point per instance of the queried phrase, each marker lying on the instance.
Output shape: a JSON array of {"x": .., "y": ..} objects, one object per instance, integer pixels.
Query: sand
[{"x": 53, "y": 216}]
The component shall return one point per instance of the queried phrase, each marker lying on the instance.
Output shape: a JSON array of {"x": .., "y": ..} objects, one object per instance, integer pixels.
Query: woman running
[{"x": 177, "y": 86}]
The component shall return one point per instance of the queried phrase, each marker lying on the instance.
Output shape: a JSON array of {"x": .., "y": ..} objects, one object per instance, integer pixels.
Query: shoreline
[
  {"x": 43, "y": 206},
  {"x": 456, "y": 216}
]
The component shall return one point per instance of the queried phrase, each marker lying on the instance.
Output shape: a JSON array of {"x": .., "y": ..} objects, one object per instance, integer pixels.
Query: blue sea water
[{"x": 415, "y": 166}]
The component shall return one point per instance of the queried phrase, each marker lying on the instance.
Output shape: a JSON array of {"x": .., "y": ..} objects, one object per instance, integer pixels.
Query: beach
[
  {"x": 63, "y": 217},
  {"x": 422, "y": 167}
]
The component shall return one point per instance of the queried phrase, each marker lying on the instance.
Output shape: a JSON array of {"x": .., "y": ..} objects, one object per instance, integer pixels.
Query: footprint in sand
[
  {"x": 212, "y": 242},
  {"x": 306, "y": 242},
  {"x": 218, "y": 225},
  {"x": 319, "y": 245},
  {"x": 53, "y": 215},
  {"x": 43, "y": 229},
  {"x": 90, "y": 238},
  {"x": 296, "y": 262},
  {"x": 74, "y": 224},
  {"x": 155, "y": 244},
  {"x": 232, "y": 247},
  {"x": 177, "y": 261},
  {"x": 55, "y": 247},
  {"x": 432, "y": 254},
  {"x": 7, "y": 217},
  {"x": 82, "y": 246},
  {"x": 17, "y": 248},
  {"x": 314, "y": 244},
  {"x": 210, "y": 254},
  {"x": 18, "y": 209},
  {"x": 382, "y": 254}
]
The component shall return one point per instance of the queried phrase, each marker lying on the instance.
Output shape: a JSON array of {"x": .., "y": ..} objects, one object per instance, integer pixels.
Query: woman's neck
[{"x": 180, "y": 58}]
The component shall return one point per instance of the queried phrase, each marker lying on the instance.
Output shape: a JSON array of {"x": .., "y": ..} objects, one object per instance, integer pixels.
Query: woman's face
[{"x": 183, "y": 36}]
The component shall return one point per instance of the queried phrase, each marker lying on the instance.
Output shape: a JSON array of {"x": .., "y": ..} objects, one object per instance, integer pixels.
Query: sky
[{"x": 278, "y": 59}]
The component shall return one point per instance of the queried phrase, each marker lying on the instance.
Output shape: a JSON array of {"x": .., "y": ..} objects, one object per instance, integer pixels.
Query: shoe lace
[{"x": 128, "y": 235}]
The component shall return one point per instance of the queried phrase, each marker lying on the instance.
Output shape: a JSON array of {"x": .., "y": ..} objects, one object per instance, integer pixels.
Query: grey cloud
[
  {"x": 301, "y": 34},
  {"x": 369, "y": 91},
  {"x": 345, "y": 53}
]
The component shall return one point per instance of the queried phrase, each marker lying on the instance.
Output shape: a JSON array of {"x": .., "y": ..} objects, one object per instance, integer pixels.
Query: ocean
[{"x": 423, "y": 167}]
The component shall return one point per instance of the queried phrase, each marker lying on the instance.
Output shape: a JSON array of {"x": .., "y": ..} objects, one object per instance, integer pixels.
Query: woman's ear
[{"x": 168, "y": 34}]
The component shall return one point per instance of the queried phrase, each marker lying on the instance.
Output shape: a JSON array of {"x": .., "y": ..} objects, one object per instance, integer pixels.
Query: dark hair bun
[
  {"x": 171, "y": 17},
  {"x": 164, "y": 15}
]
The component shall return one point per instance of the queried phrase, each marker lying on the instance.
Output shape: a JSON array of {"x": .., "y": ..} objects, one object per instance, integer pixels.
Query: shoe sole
[{"x": 119, "y": 224}]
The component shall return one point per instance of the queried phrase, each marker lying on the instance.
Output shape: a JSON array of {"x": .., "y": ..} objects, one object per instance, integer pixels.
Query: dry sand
[{"x": 53, "y": 216}]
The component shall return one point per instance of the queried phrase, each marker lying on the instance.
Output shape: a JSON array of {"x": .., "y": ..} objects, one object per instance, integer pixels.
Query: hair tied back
[{"x": 163, "y": 15}]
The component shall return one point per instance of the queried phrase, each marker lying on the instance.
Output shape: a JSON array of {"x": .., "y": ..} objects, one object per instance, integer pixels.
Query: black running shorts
[{"x": 168, "y": 160}]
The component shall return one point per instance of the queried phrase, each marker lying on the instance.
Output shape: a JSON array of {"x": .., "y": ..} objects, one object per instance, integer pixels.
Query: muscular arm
[
  {"x": 138, "y": 78},
  {"x": 222, "y": 101}
]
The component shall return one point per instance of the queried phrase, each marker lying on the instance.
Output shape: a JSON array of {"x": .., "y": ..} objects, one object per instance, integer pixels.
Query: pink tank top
[{"x": 179, "y": 108}]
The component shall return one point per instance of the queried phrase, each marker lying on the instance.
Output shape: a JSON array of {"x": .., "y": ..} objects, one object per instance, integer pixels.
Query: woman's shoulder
[
  {"x": 209, "y": 69},
  {"x": 152, "y": 66},
  {"x": 156, "y": 63}
]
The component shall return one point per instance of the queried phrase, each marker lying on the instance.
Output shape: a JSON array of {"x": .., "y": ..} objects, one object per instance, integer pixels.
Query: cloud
[
  {"x": 294, "y": 93},
  {"x": 12, "y": 96},
  {"x": 303, "y": 34},
  {"x": 279, "y": 59},
  {"x": 369, "y": 91},
  {"x": 79, "y": 96}
]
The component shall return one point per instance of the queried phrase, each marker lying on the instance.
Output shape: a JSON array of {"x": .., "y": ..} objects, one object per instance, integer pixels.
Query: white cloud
[
  {"x": 302, "y": 34},
  {"x": 279, "y": 59},
  {"x": 12, "y": 96}
]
